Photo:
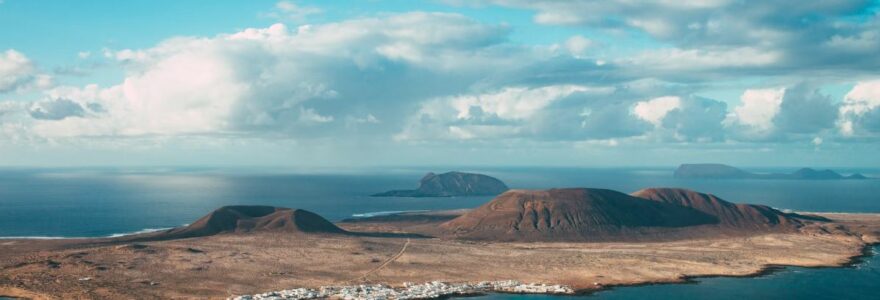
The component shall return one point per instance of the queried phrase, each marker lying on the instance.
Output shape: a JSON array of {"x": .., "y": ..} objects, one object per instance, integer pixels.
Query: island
[
  {"x": 556, "y": 241},
  {"x": 452, "y": 184},
  {"x": 721, "y": 171}
]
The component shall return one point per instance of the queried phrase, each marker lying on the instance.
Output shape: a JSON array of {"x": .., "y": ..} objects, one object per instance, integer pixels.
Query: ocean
[
  {"x": 94, "y": 202},
  {"x": 861, "y": 281}
]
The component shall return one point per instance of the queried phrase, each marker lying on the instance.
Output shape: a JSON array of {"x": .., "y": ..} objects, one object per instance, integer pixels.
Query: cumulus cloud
[
  {"x": 439, "y": 76},
  {"x": 56, "y": 109},
  {"x": 776, "y": 35},
  {"x": 859, "y": 114},
  {"x": 281, "y": 80},
  {"x": 697, "y": 119},
  {"x": 804, "y": 110},
  {"x": 553, "y": 112},
  {"x": 757, "y": 110},
  {"x": 8, "y": 108},
  {"x": 691, "y": 63},
  {"x": 309, "y": 116},
  {"x": 498, "y": 114},
  {"x": 513, "y": 103},
  {"x": 678, "y": 118},
  {"x": 294, "y": 12},
  {"x": 577, "y": 45},
  {"x": 18, "y": 72},
  {"x": 798, "y": 112},
  {"x": 655, "y": 110}
]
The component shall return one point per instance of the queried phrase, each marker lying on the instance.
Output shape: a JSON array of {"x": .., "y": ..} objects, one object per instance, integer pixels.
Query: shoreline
[
  {"x": 353, "y": 217},
  {"x": 770, "y": 269},
  {"x": 865, "y": 253},
  {"x": 253, "y": 264},
  {"x": 110, "y": 236}
]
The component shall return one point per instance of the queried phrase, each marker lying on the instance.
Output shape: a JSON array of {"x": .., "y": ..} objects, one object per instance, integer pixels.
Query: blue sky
[{"x": 395, "y": 83}]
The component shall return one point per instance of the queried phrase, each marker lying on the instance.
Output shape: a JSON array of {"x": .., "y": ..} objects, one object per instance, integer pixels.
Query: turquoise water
[{"x": 102, "y": 202}]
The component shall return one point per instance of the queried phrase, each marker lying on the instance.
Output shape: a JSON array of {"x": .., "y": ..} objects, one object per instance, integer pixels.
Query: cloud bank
[{"x": 441, "y": 78}]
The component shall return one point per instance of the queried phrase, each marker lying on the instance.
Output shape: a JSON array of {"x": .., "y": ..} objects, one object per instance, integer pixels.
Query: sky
[{"x": 454, "y": 82}]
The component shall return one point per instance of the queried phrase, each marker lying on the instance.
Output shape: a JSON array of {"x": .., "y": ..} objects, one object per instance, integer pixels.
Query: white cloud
[
  {"x": 773, "y": 36},
  {"x": 278, "y": 80},
  {"x": 577, "y": 45},
  {"x": 18, "y": 72},
  {"x": 655, "y": 110},
  {"x": 56, "y": 109},
  {"x": 798, "y": 112},
  {"x": 681, "y": 60},
  {"x": 859, "y": 114},
  {"x": 310, "y": 116},
  {"x": 680, "y": 119},
  {"x": 507, "y": 113},
  {"x": 513, "y": 103},
  {"x": 757, "y": 109},
  {"x": 436, "y": 76},
  {"x": 368, "y": 119},
  {"x": 291, "y": 11},
  {"x": 863, "y": 97}
]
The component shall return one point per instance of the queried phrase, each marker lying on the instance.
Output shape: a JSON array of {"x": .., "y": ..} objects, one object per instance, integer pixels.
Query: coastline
[
  {"x": 867, "y": 251},
  {"x": 770, "y": 269},
  {"x": 110, "y": 236},
  {"x": 249, "y": 264}
]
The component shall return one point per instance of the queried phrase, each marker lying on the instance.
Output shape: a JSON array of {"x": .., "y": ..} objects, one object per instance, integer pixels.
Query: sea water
[
  {"x": 53, "y": 203},
  {"x": 861, "y": 281}
]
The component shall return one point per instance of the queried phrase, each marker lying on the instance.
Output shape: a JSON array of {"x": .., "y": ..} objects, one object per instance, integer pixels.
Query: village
[{"x": 428, "y": 290}]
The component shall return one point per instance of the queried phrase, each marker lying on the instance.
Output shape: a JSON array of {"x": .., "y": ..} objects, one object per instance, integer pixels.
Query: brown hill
[
  {"x": 243, "y": 219},
  {"x": 745, "y": 216},
  {"x": 569, "y": 215}
]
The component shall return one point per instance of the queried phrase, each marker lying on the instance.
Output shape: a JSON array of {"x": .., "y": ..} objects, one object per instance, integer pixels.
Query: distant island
[
  {"x": 523, "y": 241},
  {"x": 452, "y": 184},
  {"x": 722, "y": 171}
]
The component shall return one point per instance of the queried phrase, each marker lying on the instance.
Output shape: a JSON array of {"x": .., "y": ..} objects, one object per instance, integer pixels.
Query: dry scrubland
[{"x": 231, "y": 264}]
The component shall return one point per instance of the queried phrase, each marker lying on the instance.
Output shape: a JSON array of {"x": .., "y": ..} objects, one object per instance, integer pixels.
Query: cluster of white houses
[{"x": 428, "y": 290}]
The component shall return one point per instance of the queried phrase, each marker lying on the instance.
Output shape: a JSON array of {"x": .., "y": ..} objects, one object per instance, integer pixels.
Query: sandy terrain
[{"x": 232, "y": 264}]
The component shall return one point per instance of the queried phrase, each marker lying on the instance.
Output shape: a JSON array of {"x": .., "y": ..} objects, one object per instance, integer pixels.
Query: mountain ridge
[
  {"x": 572, "y": 214},
  {"x": 253, "y": 218}
]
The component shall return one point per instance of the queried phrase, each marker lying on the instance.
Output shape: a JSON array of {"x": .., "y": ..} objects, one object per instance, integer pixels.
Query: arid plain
[{"x": 224, "y": 265}]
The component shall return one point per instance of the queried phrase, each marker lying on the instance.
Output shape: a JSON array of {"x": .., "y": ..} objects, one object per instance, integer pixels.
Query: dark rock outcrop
[
  {"x": 245, "y": 219},
  {"x": 452, "y": 184},
  {"x": 578, "y": 214}
]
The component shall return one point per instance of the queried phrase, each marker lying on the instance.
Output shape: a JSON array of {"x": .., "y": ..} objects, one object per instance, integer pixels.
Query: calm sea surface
[
  {"x": 103, "y": 202},
  {"x": 855, "y": 283}
]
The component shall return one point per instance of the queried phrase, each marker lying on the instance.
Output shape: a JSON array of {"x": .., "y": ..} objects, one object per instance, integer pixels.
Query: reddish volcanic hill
[
  {"x": 242, "y": 219},
  {"x": 569, "y": 215},
  {"x": 733, "y": 215}
]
